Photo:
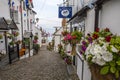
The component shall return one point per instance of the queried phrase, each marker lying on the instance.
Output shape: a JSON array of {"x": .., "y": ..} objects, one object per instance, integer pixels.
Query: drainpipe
[
  {"x": 97, "y": 9},
  {"x": 71, "y": 27},
  {"x": 21, "y": 19}
]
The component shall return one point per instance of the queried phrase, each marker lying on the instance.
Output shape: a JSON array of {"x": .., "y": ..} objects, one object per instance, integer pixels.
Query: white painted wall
[
  {"x": 110, "y": 16},
  {"x": 17, "y": 4},
  {"x": 58, "y": 38},
  {"x": 89, "y": 21},
  {"x": 4, "y": 9},
  {"x": 37, "y": 30},
  {"x": 2, "y": 43},
  {"x": 57, "y": 41},
  {"x": 76, "y": 5}
]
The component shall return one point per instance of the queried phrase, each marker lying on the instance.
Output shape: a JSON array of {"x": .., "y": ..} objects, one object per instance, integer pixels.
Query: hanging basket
[
  {"x": 95, "y": 73},
  {"x": 73, "y": 52}
]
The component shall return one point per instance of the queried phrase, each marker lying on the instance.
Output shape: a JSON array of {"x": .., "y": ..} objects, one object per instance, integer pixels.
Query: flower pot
[{"x": 95, "y": 73}]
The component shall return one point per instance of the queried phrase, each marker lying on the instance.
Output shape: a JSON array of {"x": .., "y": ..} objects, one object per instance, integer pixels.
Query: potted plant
[
  {"x": 11, "y": 43},
  {"x": 35, "y": 37},
  {"x": 15, "y": 33},
  {"x": 36, "y": 47},
  {"x": 101, "y": 50},
  {"x": 1, "y": 36},
  {"x": 64, "y": 33}
]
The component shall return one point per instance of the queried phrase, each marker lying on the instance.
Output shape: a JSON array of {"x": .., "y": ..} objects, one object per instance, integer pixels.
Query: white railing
[{"x": 82, "y": 66}]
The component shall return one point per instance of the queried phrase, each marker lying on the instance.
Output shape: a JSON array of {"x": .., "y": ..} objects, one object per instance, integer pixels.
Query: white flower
[
  {"x": 88, "y": 49},
  {"x": 94, "y": 59},
  {"x": 100, "y": 62},
  {"x": 107, "y": 56},
  {"x": 88, "y": 56},
  {"x": 97, "y": 49},
  {"x": 114, "y": 49},
  {"x": 98, "y": 56}
]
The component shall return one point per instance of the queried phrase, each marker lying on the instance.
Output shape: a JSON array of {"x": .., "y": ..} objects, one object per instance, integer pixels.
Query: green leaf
[
  {"x": 104, "y": 70},
  {"x": 118, "y": 62},
  {"x": 113, "y": 69},
  {"x": 117, "y": 74},
  {"x": 112, "y": 63}
]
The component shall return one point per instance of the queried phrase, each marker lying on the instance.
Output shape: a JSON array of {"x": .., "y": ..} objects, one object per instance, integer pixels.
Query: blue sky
[{"x": 47, "y": 12}]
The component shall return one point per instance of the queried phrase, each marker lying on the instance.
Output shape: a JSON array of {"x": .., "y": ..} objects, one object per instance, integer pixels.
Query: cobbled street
[{"x": 46, "y": 65}]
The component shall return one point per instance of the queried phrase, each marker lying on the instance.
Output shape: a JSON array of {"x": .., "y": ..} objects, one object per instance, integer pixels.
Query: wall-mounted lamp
[{"x": 37, "y": 19}]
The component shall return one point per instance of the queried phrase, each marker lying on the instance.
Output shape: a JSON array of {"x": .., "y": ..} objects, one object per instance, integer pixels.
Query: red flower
[
  {"x": 95, "y": 36},
  {"x": 108, "y": 38},
  {"x": 73, "y": 37},
  {"x": 97, "y": 30}
]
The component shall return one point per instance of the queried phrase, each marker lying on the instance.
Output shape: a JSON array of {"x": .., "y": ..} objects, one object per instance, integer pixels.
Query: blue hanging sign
[
  {"x": 65, "y": 12},
  {"x": 27, "y": 3}
]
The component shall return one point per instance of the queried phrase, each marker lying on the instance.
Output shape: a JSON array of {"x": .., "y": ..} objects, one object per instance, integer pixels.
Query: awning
[
  {"x": 13, "y": 26},
  {"x": 100, "y": 2},
  {"x": 3, "y": 24},
  {"x": 81, "y": 13},
  {"x": 28, "y": 35}
]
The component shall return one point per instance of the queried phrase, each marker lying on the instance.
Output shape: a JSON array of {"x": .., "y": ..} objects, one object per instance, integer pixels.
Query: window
[
  {"x": 14, "y": 15},
  {"x": 24, "y": 5}
]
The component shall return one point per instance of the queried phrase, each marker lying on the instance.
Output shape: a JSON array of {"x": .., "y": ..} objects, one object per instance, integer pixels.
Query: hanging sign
[{"x": 65, "y": 12}]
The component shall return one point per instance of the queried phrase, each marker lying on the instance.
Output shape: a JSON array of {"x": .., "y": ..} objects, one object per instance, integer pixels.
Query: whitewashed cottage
[
  {"x": 16, "y": 16},
  {"x": 89, "y": 15}
]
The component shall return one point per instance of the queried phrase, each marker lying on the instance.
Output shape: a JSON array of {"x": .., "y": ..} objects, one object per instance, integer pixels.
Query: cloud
[
  {"x": 54, "y": 2},
  {"x": 47, "y": 12}
]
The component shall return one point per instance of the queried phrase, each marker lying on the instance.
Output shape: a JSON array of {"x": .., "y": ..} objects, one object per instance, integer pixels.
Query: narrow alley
[{"x": 45, "y": 65}]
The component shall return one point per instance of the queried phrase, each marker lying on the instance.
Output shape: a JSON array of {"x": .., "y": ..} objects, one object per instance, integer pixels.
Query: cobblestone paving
[{"x": 45, "y": 65}]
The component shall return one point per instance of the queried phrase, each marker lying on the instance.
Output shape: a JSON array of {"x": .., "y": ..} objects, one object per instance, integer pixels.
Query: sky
[{"x": 47, "y": 12}]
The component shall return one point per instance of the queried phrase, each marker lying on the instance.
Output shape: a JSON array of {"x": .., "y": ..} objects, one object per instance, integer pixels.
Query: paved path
[{"x": 45, "y": 65}]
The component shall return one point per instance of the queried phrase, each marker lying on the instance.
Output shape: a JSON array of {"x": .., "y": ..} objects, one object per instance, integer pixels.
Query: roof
[
  {"x": 13, "y": 25},
  {"x": 34, "y": 12},
  {"x": 81, "y": 12},
  {"x": 3, "y": 24},
  {"x": 56, "y": 31},
  {"x": 28, "y": 34},
  {"x": 99, "y": 2}
]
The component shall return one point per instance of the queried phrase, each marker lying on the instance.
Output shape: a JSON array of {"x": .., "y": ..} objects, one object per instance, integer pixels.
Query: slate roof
[{"x": 3, "y": 24}]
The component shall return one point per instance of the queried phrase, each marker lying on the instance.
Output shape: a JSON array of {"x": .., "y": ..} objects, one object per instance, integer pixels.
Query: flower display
[
  {"x": 68, "y": 60},
  {"x": 102, "y": 48},
  {"x": 1, "y": 36},
  {"x": 15, "y": 33},
  {"x": 64, "y": 33},
  {"x": 72, "y": 38}
]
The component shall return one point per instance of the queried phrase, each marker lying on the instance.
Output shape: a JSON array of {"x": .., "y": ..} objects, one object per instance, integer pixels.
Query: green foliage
[
  {"x": 113, "y": 69},
  {"x": 36, "y": 47},
  {"x": 116, "y": 42},
  {"x": 11, "y": 43},
  {"x": 117, "y": 74},
  {"x": 35, "y": 37},
  {"x": 77, "y": 34},
  {"x": 1, "y": 36},
  {"x": 26, "y": 41},
  {"x": 65, "y": 32},
  {"x": 104, "y": 70}
]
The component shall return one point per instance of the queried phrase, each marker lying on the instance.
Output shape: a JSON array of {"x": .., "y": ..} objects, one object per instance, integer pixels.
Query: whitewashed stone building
[{"x": 89, "y": 15}]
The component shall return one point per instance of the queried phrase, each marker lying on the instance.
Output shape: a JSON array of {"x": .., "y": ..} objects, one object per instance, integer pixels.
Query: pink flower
[
  {"x": 35, "y": 41},
  {"x": 69, "y": 37}
]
